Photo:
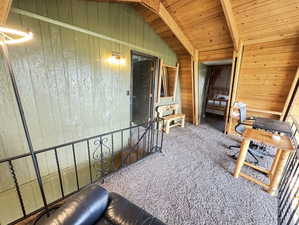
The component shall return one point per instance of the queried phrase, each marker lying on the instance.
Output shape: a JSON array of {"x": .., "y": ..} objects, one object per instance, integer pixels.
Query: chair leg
[
  {"x": 233, "y": 146},
  {"x": 183, "y": 122},
  {"x": 253, "y": 156},
  {"x": 167, "y": 127}
]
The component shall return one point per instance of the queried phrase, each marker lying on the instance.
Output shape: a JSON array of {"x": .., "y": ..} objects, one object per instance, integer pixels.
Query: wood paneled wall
[
  {"x": 186, "y": 76},
  {"x": 267, "y": 72},
  {"x": 214, "y": 55},
  {"x": 4, "y": 10}
]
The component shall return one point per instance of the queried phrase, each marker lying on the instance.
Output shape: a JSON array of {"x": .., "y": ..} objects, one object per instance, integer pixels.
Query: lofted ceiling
[
  {"x": 161, "y": 29},
  {"x": 266, "y": 19},
  {"x": 202, "y": 21},
  {"x": 214, "y": 28}
]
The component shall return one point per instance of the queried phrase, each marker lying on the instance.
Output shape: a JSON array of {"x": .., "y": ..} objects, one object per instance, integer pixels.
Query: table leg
[
  {"x": 277, "y": 174},
  {"x": 274, "y": 164},
  {"x": 242, "y": 156}
]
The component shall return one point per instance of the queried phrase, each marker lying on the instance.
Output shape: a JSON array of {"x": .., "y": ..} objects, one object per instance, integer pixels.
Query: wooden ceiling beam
[
  {"x": 158, "y": 8},
  {"x": 151, "y": 4},
  {"x": 174, "y": 27},
  {"x": 231, "y": 22},
  {"x": 4, "y": 10}
]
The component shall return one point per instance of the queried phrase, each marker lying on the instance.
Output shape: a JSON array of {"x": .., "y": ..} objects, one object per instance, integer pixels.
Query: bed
[{"x": 217, "y": 104}]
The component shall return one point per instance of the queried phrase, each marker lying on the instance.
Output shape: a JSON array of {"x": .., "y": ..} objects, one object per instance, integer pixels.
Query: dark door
[{"x": 142, "y": 90}]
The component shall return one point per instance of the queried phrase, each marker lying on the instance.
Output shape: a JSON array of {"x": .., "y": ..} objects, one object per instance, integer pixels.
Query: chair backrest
[
  {"x": 167, "y": 109},
  {"x": 242, "y": 110},
  {"x": 240, "y": 128}
]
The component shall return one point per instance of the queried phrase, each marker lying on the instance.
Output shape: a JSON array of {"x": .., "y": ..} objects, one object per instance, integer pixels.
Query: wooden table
[{"x": 284, "y": 146}]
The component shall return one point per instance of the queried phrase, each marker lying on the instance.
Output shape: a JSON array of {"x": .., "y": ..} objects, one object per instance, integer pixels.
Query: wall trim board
[
  {"x": 82, "y": 30},
  {"x": 291, "y": 97}
]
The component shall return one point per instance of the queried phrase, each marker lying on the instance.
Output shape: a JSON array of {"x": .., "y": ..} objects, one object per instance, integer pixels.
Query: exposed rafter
[
  {"x": 158, "y": 8},
  {"x": 168, "y": 19},
  {"x": 231, "y": 22},
  {"x": 4, "y": 10}
]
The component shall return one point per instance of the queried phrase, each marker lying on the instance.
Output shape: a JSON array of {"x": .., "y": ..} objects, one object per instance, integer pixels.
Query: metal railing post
[{"x": 24, "y": 122}]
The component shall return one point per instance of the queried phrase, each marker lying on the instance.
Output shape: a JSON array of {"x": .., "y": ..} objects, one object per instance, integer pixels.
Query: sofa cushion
[
  {"x": 84, "y": 208},
  {"x": 103, "y": 221},
  {"x": 120, "y": 211}
]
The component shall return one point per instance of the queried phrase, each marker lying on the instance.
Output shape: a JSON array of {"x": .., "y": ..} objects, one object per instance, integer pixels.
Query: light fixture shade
[
  {"x": 116, "y": 59},
  {"x": 7, "y": 34}
]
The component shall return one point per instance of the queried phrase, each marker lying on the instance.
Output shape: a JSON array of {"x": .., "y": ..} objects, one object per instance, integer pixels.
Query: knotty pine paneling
[
  {"x": 214, "y": 55},
  {"x": 265, "y": 19},
  {"x": 266, "y": 74},
  {"x": 186, "y": 64},
  {"x": 202, "y": 21}
]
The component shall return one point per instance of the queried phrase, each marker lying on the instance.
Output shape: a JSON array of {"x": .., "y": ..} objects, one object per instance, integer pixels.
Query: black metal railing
[
  {"x": 106, "y": 153},
  {"x": 288, "y": 192}
]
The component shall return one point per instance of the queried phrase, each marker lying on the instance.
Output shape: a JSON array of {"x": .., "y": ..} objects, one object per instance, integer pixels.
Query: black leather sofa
[{"x": 95, "y": 206}]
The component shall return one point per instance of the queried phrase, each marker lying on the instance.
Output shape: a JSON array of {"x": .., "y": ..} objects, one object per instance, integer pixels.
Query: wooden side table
[{"x": 284, "y": 146}]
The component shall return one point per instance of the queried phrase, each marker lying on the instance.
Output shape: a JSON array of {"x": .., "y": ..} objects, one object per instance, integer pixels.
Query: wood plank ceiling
[
  {"x": 261, "y": 20},
  {"x": 204, "y": 23}
]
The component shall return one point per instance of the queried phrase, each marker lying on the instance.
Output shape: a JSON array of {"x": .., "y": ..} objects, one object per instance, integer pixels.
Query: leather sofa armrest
[
  {"x": 121, "y": 211},
  {"x": 84, "y": 208}
]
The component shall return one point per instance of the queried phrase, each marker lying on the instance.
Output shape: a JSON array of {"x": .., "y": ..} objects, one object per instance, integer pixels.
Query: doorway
[
  {"x": 142, "y": 87},
  {"x": 216, "y": 94}
]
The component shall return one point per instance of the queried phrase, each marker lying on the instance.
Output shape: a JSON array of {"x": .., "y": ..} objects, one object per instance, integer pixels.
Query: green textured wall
[{"x": 69, "y": 90}]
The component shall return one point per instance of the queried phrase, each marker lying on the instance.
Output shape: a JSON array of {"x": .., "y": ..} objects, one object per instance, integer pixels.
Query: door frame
[{"x": 153, "y": 83}]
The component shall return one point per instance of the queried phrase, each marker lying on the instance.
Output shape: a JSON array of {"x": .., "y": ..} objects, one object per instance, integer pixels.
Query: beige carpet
[{"x": 191, "y": 183}]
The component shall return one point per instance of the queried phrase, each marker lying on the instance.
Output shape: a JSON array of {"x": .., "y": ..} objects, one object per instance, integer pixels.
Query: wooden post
[
  {"x": 235, "y": 83},
  {"x": 242, "y": 157},
  {"x": 195, "y": 89},
  {"x": 228, "y": 107}
]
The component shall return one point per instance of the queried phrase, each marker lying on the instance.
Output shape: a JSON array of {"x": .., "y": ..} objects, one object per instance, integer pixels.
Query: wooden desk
[{"x": 284, "y": 146}]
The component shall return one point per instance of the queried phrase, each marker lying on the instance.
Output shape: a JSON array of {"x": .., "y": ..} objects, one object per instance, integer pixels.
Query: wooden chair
[{"x": 170, "y": 116}]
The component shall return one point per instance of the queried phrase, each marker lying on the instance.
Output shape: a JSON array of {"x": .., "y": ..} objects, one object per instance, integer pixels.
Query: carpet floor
[{"x": 191, "y": 183}]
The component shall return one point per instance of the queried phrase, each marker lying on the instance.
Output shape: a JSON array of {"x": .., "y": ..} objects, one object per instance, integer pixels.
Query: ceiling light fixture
[{"x": 12, "y": 36}]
